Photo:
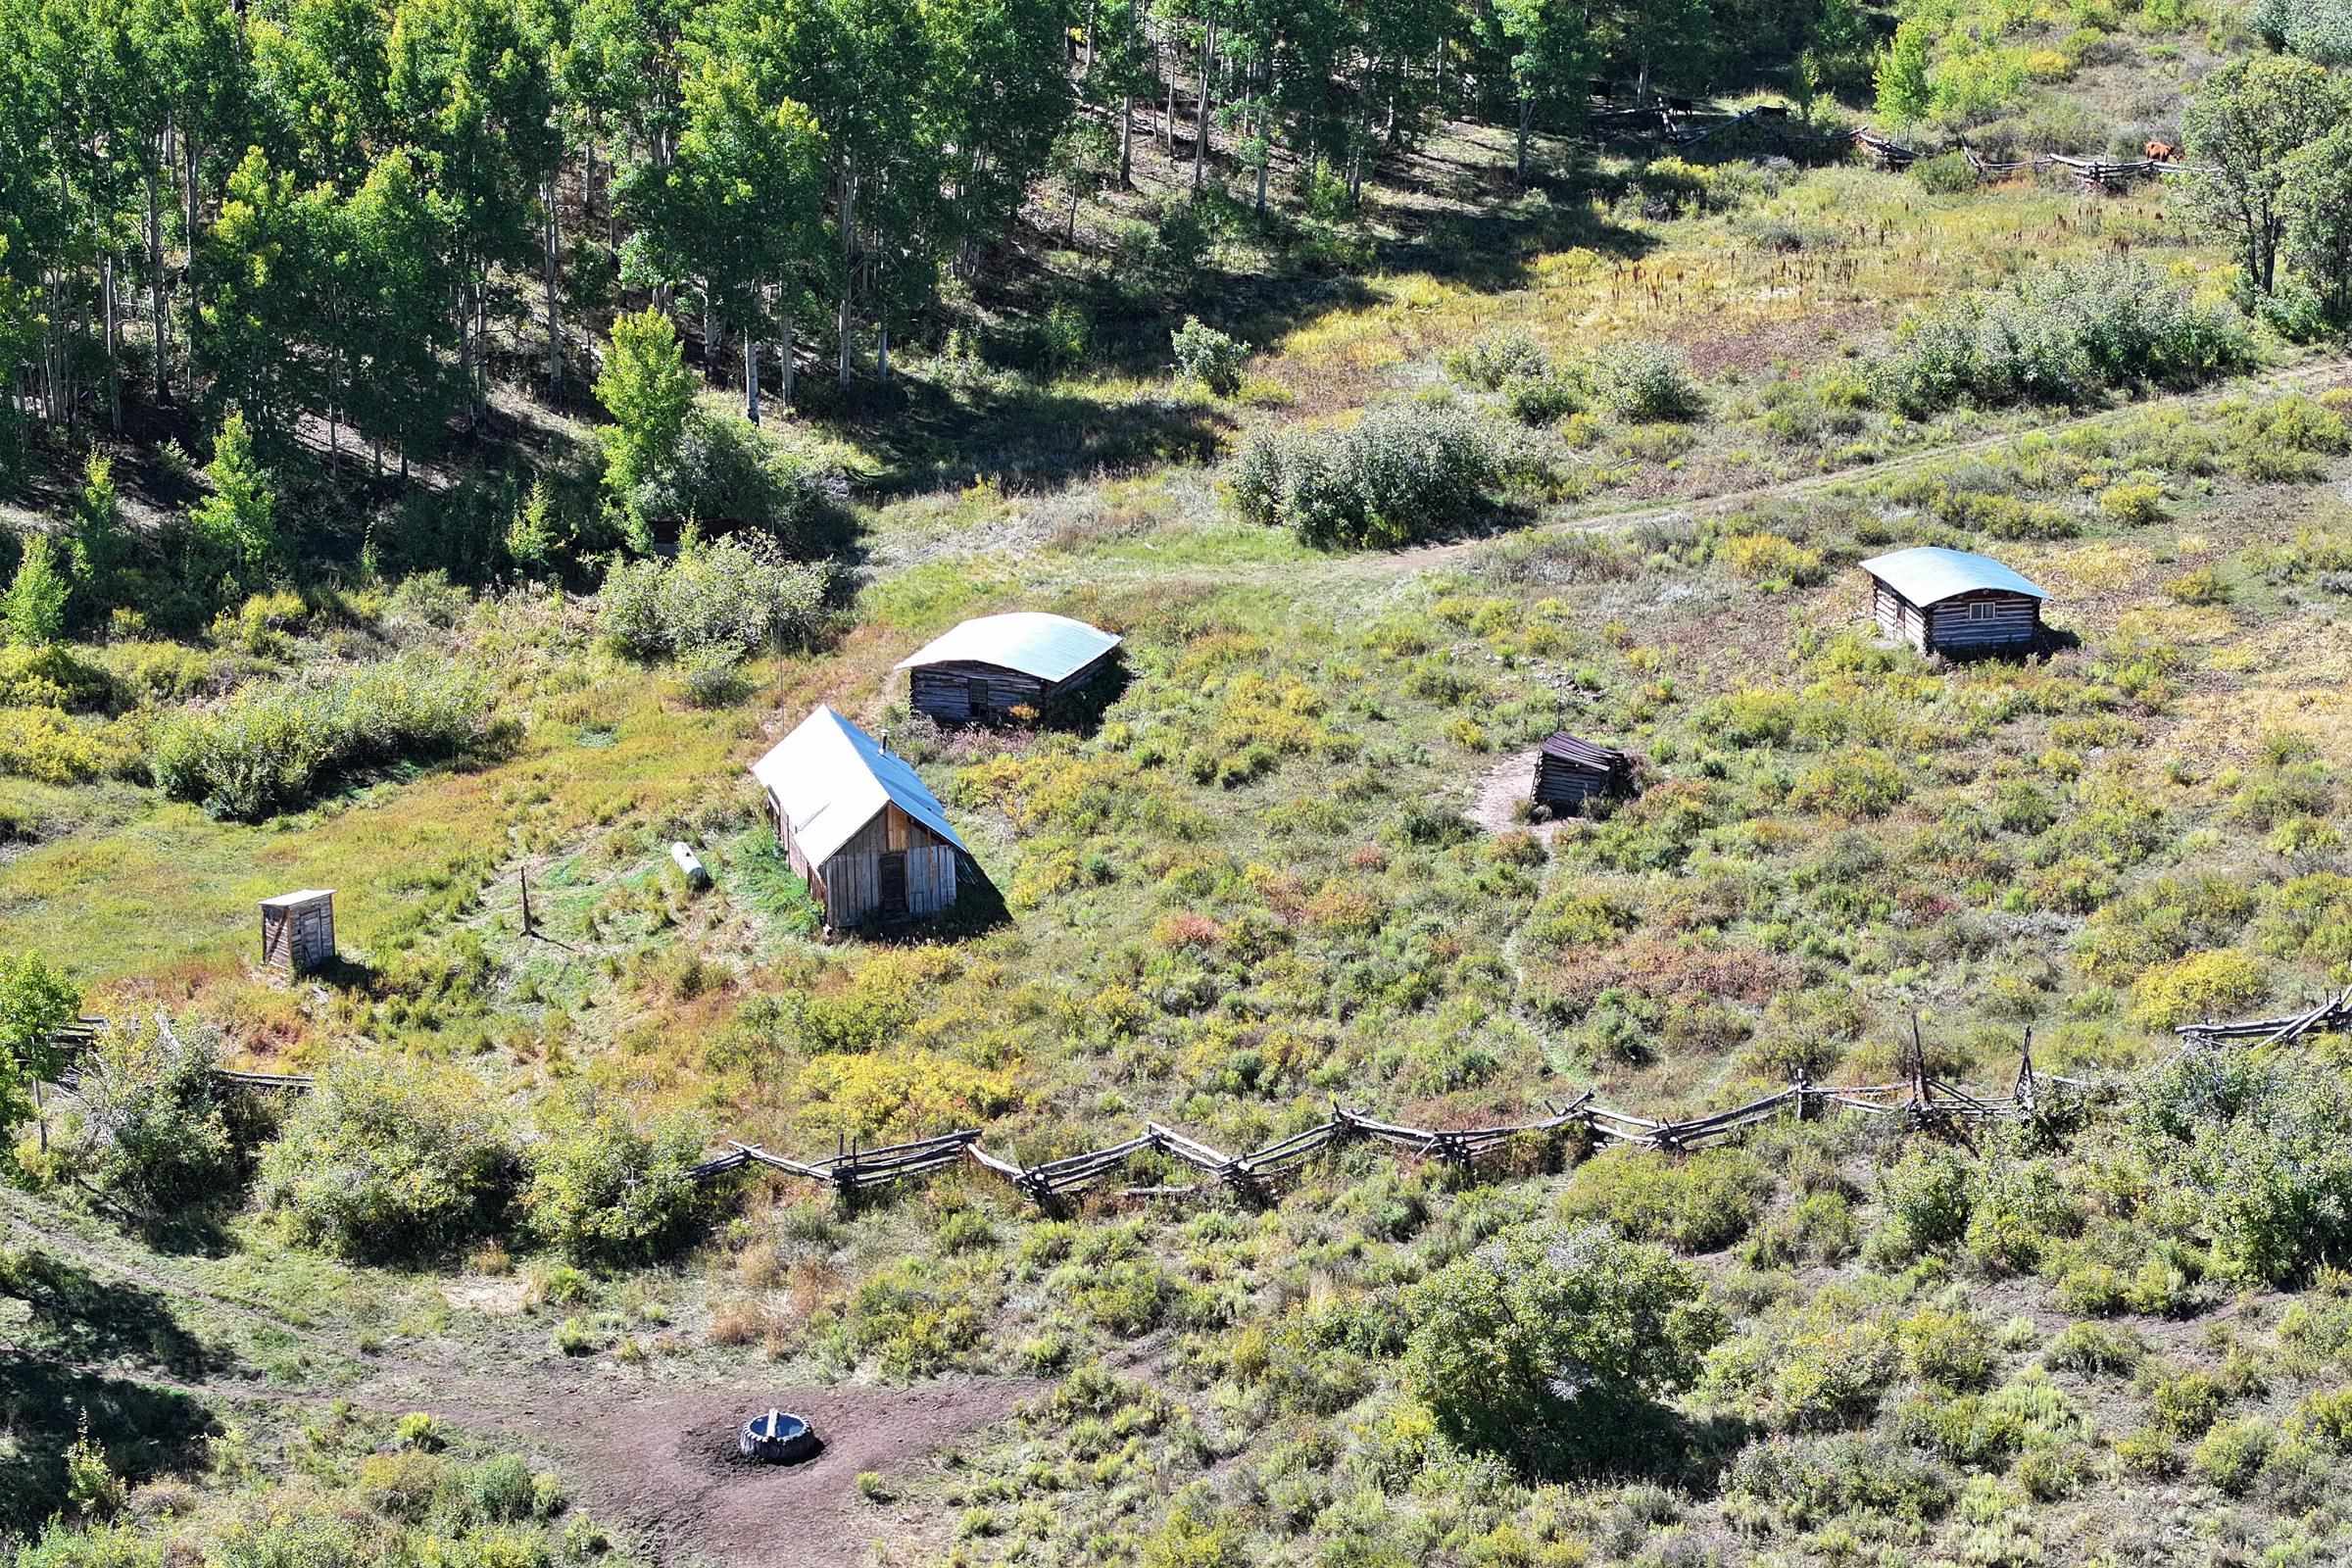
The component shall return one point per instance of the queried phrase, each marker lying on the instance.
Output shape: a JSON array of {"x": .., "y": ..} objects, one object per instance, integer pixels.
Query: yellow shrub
[
  {"x": 42, "y": 743},
  {"x": 2203, "y": 985},
  {"x": 912, "y": 1092},
  {"x": 1770, "y": 560}
]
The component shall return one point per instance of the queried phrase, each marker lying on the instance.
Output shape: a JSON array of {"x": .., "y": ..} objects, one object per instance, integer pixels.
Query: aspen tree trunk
[
  {"x": 785, "y": 353},
  {"x": 555, "y": 323},
  {"x": 114, "y": 379},
  {"x": 849, "y": 214},
  {"x": 154, "y": 289},
  {"x": 750, "y": 378},
  {"x": 1126, "y": 141},
  {"x": 1167, "y": 119},
  {"x": 1208, "y": 57},
  {"x": 882, "y": 350}
]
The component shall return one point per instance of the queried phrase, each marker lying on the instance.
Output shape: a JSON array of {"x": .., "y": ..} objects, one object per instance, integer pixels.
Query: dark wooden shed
[
  {"x": 984, "y": 669},
  {"x": 1953, "y": 602},
  {"x": 1570, "y": 772},
  {"x": 859, "y": 825}
]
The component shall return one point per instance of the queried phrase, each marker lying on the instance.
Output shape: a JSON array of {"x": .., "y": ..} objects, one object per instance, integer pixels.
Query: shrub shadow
[
  {"x": 79, "y": 1317},
  {"x": 146, "y": 1432}
]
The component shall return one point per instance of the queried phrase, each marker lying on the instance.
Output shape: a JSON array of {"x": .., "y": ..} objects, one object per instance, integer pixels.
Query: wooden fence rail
[{"x": 1919, "y": 1100}]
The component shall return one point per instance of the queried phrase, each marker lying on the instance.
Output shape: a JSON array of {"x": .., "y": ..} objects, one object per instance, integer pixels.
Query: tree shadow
[
  {"x": 79, "y": 1317},
  {"x": 146, "y": 1432}
]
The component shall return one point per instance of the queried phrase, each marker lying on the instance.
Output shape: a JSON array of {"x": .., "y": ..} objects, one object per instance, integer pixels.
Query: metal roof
[
  {"x": 1929, "y": 574},
  {"x": 1048, "y": 647},
  {"x": 1568, "y": 748},
  {"x": 831, "y": 778}
]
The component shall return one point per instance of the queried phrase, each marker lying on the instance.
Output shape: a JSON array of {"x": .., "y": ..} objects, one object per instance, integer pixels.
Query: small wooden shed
[
  {"x": 857, "y": 823},
  {"x": 984, "y": 669},
  {"x": 1571, "y": 771},
  {"x": 298, "y": 930},
  {"x": 1953, "y": 602}
]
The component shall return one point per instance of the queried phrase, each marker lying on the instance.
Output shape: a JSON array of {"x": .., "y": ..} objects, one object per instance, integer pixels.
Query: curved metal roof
[
  {"x": 1048, "y": 647},
  {"x": 831, "y": 777},
  {"x": 1927, "y": 574}
]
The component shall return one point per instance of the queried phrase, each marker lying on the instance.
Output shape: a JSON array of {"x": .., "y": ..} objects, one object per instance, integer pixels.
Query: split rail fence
[{"x": 1919, "y": 1100}]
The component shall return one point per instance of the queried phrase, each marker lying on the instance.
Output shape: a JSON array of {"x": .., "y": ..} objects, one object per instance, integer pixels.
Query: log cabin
[
  {"x": 1951, "y": 602},
  {"x": 1570, "y": 772},
  {"x": 982, "y": 670},
  {"x": 859, "y": 825}
]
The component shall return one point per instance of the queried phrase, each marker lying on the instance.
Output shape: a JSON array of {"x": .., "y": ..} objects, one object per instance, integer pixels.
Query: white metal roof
[
  {"x": 288, "y": 900},
  {"x": 1048, "y": 647},
  {"x": 831, "y": 778},
  {"x": 1927, "y": 574}
]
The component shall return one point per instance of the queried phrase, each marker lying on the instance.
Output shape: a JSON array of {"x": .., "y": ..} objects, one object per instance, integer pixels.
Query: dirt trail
[{"x": 2297, "y": 377}]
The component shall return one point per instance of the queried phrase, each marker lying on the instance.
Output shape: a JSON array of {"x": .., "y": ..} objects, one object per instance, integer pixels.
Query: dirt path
[{"x": 2292, "y": 379}]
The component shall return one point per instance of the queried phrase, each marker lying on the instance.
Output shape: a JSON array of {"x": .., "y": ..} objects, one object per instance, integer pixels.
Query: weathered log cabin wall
[
  {"x": 1965, "y": 624},
  {"x": 960, "y": 691},
  {"x": 1565, "y": 786}
]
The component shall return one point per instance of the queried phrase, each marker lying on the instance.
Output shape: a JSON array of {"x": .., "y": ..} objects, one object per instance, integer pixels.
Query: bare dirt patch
[
  {"x": 1502, "y": 790},
  {"x": 663, "y": 1466}
]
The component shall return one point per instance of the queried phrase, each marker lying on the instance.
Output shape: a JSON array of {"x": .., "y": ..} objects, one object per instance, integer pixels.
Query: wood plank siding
[
  {"x": 1570, "y": 772},
  {"x": 1969, "y": 622},
  {"x": 855, "y": 885},
  {"x": 962, "y": 691}
]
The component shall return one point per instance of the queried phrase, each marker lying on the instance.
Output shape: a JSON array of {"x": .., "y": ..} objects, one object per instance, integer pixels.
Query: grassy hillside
[{"x": 1282, "y": 869}]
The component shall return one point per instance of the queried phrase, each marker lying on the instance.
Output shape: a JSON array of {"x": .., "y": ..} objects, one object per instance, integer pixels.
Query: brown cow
[{"x": 2162, "y": 152}]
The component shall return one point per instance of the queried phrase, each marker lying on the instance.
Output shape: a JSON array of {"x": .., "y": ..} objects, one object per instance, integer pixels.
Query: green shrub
[
  {"x": 1533, "y": 1345},
  {"x": 1945, "y": 175},
  {"x": 277, "y": 745},
  {"x": 1647, "y": 381},
  {"x": 1496, "y": 359},
  {"x": 389, "y": 1162},
  {"x": 1929, "y": 1196},
  {"x": 1405, "y": 473},
  {"x": 604, "y": 1192},
  {"x": 1813, "y": 1480},
  {"x": 2063, "y": 336},
  {"x": 1209, "y": 356},
  {"x": 2093, "y": 1349},
  {"x": 733, "y": 597},
  {"x": 2231, "y": 1455},
  {"x": 499, "y": 1490},
  {"x": 1949, "y": 1350},
  {"x": 2188, "y": 1404},
  {"x": 1698, "y": 1205},
  {"x": 161, "y": 1136}
]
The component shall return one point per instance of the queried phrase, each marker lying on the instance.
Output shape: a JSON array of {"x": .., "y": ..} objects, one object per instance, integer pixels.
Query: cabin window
[{"x": 1983, "y": 610}]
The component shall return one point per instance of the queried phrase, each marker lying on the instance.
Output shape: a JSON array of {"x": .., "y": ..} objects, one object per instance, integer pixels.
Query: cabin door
[
  {"x": 975, "y": 695},
  {"x": 894, "y": 884}
]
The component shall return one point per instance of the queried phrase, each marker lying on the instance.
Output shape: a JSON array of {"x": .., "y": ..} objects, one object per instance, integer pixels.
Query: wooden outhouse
[
  {"x": 1953, "y": 601},
  {"x": 298, "y": 930},
  {"x": 858, "y": 824},
  {"x": 982, "y": 670},
  {"x": 1569, "y": 772}
]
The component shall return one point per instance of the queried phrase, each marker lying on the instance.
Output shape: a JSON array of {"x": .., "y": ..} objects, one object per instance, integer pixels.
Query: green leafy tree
[
  {"x": 1904, "y": 90},
  {"x": 647, "y": 389},
  {"x": 35, "y": 1001},
  {"x": 33, "y": 614},
  {"x": 1084, "y": 160},
  {"x": 101, "y": 545},
  {"x": 1552, "y": 48},
  {"x": 1539, "y": 1344},
  {"x": 2248, "y": 119},
  {"x": 2316, "y": 195},
  {"x": 232, "y": 533}
]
